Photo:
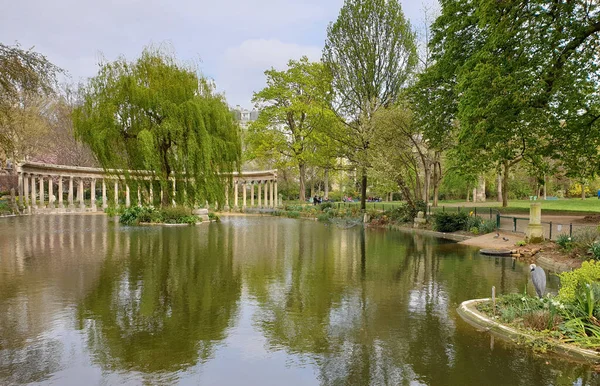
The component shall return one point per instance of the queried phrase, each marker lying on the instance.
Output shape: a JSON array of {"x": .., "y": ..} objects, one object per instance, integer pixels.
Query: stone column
[
  {"x": 162, "y": 193},
  {"x": 50, "y": 193},
  {"x": 266, "y": 205},
  {"x": 116, "y": 193},
  {"x": 60, "y": 193},
  {"x": 26, "y": 201},
  {"x": 80, "y": 194},
  {"x": 127, "y": 198},
  {"x": 244, "y": 200},
  {"x": 535, "y": 231},
  {"x": 252, "y": 194},
  {"x": 271, "y": 191},
  {"x": 33, "y": 195},
  {"x": 93, "y": 195},
  {"x": 276, "y": 196},
  {"x": 235, "y": 194},
  {"x": 20, "y": 188},
  {"x": 42, "y": 202},
  {"x": 70, "y": 195},
  {"x": 259, "y": 193},
  {"x": 139, "y": 203},
  {"x": 104, "y": 198},
  {"x": 151, "y": 198},
  {"x": 226, "y": 197}
]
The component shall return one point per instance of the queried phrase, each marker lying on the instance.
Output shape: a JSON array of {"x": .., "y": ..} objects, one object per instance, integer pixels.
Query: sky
[{"x": 234, "y": 41}]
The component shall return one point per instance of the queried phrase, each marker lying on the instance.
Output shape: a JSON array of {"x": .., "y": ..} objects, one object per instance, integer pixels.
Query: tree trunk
[
  {"x": 426, "y": 173},
  {"x": 475, "y": 194},
  {"x": 545, "y": 189},
  {"x": 499, "y": 187},
  {"x": 302, "y": 170},
  {"x": 437, "y": 178},
  {"x": 326, "y": 183},
  {"x": 468, "y": 194},
  {"x": 363, "y": 190},
  {"x": 505, "y": 185}
]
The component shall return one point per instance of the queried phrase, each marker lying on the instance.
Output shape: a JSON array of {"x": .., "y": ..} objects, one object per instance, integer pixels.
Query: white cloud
[{"x": 242, "y": 69}]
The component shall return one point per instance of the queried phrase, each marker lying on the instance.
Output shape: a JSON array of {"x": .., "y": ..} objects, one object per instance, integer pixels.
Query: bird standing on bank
[{"x": 538, "y": 277}]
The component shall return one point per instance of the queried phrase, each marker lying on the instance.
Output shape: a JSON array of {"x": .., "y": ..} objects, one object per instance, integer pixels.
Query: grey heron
[{"x": 538, "y": 277}]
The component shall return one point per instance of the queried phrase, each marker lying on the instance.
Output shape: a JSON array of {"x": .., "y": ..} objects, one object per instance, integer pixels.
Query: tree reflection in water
[{"x": 167, "y": 306}]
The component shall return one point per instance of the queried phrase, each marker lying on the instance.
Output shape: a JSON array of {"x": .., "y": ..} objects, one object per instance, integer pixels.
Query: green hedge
[{"x": 450, "y": 221}]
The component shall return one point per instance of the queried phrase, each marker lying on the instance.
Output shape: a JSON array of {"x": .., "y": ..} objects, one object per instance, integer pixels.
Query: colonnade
[{"x": 37, "y": 183}]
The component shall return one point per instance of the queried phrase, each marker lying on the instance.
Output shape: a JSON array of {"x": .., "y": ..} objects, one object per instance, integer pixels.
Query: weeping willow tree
[{"x": 158, "y": 115}]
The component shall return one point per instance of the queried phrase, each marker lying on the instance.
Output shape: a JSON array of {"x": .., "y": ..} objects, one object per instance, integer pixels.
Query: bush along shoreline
[
  {"x": 137, "y": 215},
  {"x": 572, "y": 317}
]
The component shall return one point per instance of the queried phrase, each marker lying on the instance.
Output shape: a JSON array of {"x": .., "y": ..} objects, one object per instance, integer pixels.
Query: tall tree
[
  {"x": 370, "y": 52},
  {"x": 293, "y": 114},
  {"x": 26, "y": 77},
  {"x": 158, "y": 115}
]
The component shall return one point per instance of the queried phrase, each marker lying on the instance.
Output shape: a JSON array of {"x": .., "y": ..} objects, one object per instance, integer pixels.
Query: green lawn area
[{"x": 574, "y": 206}]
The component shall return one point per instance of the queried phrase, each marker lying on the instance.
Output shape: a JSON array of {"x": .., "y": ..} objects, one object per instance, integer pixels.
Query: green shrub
[
  {"x": 323, "y": 217},
  {"x": 564, "y": 241},
  {"x": 450, "y": 222},
  {"x": 112, "y": 211},
  {"x": 487, "y": 226},
  {"x": 569, "y": 281},
  {"x": 403, "y": 213},
  {"x": 474, "y": 230},
  {"x": 129, "y": 216},
  {"x": 595, "y": 251},
  {"x": 177, "y": 215},
  {"x": 585, "y": 237},
  {"x": 326, "y": 205},
  {"x": 474, "y": 222},
  {"x": 292, "y": 214},
  {"x": 213, "y": 217},
  {"x": 521, "y": 243}
]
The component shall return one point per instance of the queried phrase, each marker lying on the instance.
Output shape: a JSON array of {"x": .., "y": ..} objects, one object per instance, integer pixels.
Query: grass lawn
[{"x": 572, "y": 206}]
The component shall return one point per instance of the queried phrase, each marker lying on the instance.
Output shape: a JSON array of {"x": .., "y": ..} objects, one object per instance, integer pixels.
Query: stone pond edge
[{"x": 469, "y": 314}]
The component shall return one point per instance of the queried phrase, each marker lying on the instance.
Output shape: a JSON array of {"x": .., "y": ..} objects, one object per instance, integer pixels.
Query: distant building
[{"x": 244, "y": 116}]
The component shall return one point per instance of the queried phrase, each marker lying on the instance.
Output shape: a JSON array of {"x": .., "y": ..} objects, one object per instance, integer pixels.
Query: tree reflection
[{"x": 167, "y": 305}]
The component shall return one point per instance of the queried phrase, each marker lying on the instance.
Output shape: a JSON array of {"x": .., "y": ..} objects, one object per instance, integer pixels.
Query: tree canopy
[
  {"x": 293, "y": 115},
  {"x": 159, "y": 115},
  {"x": 370, "y": 52}
]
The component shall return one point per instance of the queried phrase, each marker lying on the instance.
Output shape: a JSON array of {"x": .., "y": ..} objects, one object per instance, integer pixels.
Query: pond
[{"x": 251, "y": 300}]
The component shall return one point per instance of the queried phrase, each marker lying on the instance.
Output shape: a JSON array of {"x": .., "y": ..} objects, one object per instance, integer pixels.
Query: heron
[{"x": 538, "y": 277}]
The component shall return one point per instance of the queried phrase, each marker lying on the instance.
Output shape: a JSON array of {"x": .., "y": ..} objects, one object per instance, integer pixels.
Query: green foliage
[
  {"x": 148, "y": 214},
  {"x": 292, "y": 214},
  {"x": 370, "y": 52},
  {"x": 487, "y": 226},
  {"x": 474, "y": 222},
  {"x": 213, "y": 217},
  {"x": 570, "y": 281},
  {"x": 521, "y": 243},
  {"x": 323, "y": 217},
  {"x": 474, "y": 230},
  {"x": 155, "y": 114},
  {"x": 585, "y": 237},
  {"x": 595, "y": 250},
  {"x": 326, "y": 205},
  {"x": 450, "y": 221},
  {"x": 564, "y": 241}
]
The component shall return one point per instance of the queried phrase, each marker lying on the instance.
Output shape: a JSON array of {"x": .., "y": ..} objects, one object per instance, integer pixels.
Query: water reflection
[{"x": 83, "y": 298}]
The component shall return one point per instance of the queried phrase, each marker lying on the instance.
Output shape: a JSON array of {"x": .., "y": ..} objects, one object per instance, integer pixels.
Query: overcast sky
[{"x": 236, "y": 40}]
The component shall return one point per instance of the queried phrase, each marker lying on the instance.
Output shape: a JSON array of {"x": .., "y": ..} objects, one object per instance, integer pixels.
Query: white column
[
  {"x": 266, "y": 205},
  {"x": 26, "y": 201},
  {"x": 226, "y": 197},
  {"x": 252, "y": 194},
  {"x": 42, "y": 203},
  {"x": 244, "y": 200},
  {"x": 151, "y": 198},
  {"x": 33, "y": 195},
  {"x": 271, "y": 190},
  {"x": 277, "y": 203},
  {"x": 104, "y": 198},
  {"x": 93, "y": 195},
  {"x": 20, "y": 188},
  {"x": 116, "y": 193},
  {"x": 60, "y": 192},
  {"x": 70, "y": 195},
  {"x": 139, "y": 203},
  {"x": 127, "y": 198},
  {"x": 80, "y": 194},
  {"x": 50, "y": 193},
  {"x": 259, "y": 192},
  {"x": 235, "y": 194}
]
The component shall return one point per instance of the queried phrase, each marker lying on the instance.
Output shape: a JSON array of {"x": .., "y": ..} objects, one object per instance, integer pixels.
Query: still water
[{"x": 251, "y": 301}]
